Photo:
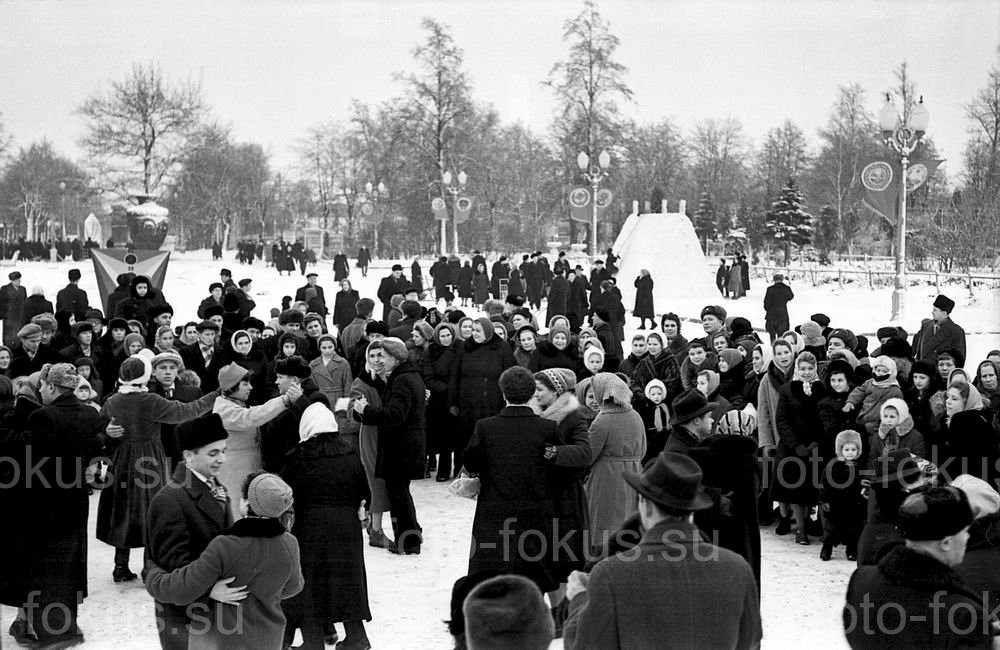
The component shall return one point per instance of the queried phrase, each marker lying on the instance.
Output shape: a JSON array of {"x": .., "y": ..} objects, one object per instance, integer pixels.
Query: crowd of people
[{"x": 251, "y": 459}]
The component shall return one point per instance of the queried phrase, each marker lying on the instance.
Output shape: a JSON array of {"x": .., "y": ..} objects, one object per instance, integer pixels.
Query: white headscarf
[{"x": 316, "y": 419}]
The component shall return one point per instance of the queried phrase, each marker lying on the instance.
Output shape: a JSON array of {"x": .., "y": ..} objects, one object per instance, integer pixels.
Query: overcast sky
[{"x": 273, "y": 69}]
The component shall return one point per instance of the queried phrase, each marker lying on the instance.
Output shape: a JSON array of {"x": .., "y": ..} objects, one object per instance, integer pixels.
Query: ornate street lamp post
[
  {"x": 902, "y": 138},
  {"x": 454, "y": 190},
  {"x": 594, "y": 175},
  {"x": 375, "y": 194}
]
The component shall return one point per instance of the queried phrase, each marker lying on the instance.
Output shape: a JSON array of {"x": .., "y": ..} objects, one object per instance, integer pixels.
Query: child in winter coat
[
  {"x": 655, "y": 417},
  {"x": 867, "y": 399},
  {"x": 841, "y": 499},
  {"x": 895, "y": 432},
  {"x": 732, "y": 376},
  {"x": 698, "y": 359},
  {"x": 921, "y": 397}
]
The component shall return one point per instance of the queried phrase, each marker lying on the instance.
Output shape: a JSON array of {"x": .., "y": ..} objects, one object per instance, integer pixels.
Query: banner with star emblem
[
  {"x": 580, "y": 207},
  {"x": 440, "y": 208},
  {"x": 463, "y": 208},
  {"x": 880, "y": 179}
]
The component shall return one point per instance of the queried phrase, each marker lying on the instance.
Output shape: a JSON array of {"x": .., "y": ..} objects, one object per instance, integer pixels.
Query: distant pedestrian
[
  {"x": 644, "y": 300},
  {"x": 776, "y": 300}
]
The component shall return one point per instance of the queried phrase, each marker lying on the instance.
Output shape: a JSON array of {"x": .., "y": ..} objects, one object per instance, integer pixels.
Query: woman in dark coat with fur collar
[{"x": 474, "y": 389}]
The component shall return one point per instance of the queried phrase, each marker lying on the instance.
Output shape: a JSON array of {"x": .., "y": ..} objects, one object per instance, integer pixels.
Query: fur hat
[
  {"x": 508, "y": 608},
  {"x": 395, "y": 348},
  {"x": 294, "y": 366},
  {"x": 714, "y": 310},
  {"x": 158, "y": 310},
  {"x": 63, "y": 375},
  {"x": 425, "y": 330},
  {"x": 847, "y": 436},
  {"x": 740, "y": 325},
  {"x": 206, "y": 325},
  {"x": 269, "y": 496},
  {"x": 898, "y": 348},
  {"x": 944, "y": 303},
  {"x": 813, "y": 334},
  {"x": 376, "y": 327},
  {"x": 290, "y": 316},
  {"x": 934, "y": 514},
  {"x": 845, "y": 335},
  {"x": 202, "y": 431},
  {"x": 924, "y": 368},
  {"x": 214, "y": 310}
]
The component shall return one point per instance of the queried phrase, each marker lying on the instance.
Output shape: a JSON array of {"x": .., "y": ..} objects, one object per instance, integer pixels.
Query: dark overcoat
[
  {"x": 507, "y": 451},
  {"x": 436, "y": 367},
  {"x": 474, "y": 383},
  {"x": 344, "y": 310},
  {"x": 643, "y": 297},
  {"x": 776, "y": 299},
  {"x": 673, "y": 585},
  {"x": 329, "y": 484},
  {"x": 401, "y": 425},
  {"x": 927, "y": 343},
  {"x": 796, "y": 477}
]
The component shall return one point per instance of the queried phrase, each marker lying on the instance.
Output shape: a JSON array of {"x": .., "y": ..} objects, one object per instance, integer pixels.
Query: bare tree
[
  {"x": 982, "y": 153},
  {"x": 718, "y": 154},
  {"x": 137, "y": 131}
]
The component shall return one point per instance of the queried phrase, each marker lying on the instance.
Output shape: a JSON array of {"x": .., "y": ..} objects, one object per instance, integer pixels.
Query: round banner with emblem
[
  {"x": 916, "y": 175},
  {"x": 440, "y": 208},
  {"x": 579, "y": 197},
  {"x": 877, "y": 176}
]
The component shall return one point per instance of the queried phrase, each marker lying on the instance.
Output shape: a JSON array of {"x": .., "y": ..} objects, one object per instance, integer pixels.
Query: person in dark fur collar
[{"x": 914, "y": 597}]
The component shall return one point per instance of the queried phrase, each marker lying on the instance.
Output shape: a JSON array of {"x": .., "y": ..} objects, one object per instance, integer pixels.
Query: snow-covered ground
[{"x": 802, "y": 596}]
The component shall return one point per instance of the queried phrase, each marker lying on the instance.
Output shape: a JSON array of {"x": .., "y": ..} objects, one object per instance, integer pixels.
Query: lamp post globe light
[
  {"x": 594, "y": 175},
  {"x": 453, "y": 189},
  {"x": 902, "y": 138}
]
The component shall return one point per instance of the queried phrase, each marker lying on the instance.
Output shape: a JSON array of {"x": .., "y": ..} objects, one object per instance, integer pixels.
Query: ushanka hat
[
  {"x": 202, "y": 431},
  {"x": 294, "y": 366},
  {"x": 944, "y": 303},
  {"x": 673, "y": 481},
  {"x": 63, "y": 375}
]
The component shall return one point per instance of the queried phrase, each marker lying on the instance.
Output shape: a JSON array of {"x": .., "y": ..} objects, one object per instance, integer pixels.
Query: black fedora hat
[
  {"x": 673, "y": 481},
  {"x": 689, "y": 405}
]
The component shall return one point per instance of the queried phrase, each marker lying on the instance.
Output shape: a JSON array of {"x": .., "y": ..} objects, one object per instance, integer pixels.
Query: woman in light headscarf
[
  {"x": 617, "y": 444},
  {"x": 331, "y": 496}
]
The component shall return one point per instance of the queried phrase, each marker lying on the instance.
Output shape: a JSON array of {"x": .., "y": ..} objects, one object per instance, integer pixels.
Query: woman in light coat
[
  {"x": 243, "y": 424},
  {"x": 332, "y": 375},
  {"x": 617, "y": 444}
]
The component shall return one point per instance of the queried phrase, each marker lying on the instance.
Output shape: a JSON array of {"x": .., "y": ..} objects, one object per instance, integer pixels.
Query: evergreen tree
[
  {"x": 787, "y": 221},
  {"x": 704, "y": 219}
]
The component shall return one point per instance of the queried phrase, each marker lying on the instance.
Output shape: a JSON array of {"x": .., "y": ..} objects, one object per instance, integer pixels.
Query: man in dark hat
[
  {"x": 243, "y": 293},
  {"x": 691, "y": 422},
  {"x": 673, "y": 585},
  {"x": 939, "y": 333},
  {"x": 214, "y": 299},
  {"x": 72, "y": 299},
  {"x": 205, "y": 356},
  {"x": 300, "y": 293},
  {"x": 913, "y": 597},
  {"x": 226, "y": 278},
  {"x": 776, "y": 299},
  {"x": 280, "y": 435},
  {"x": 12, "y": 298},
  {"x": 184, "y": 517},
  {"x": 391, "y": 285},
  {"x": 31, "y": 354}
]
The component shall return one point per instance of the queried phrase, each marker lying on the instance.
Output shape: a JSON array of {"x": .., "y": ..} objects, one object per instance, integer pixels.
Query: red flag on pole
[
  {"x": 463, "y": 208},
  {"x": 109, "y": 263},
  {"x": 580, "y": 208},
  {"x": 440, "y": 208}
]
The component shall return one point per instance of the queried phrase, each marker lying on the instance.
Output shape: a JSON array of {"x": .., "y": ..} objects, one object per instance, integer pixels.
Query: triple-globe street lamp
[{"x": 594, "y": 175}]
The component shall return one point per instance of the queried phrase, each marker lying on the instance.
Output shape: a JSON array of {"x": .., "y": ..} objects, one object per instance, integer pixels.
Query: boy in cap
[
  {"x": 166, "y": 366},
  {"x": 939, "y": 333},
  {"x": 185, "y": 516},
  {"x": 507, "y": 611},
  {"x": 31, "y": 355}
]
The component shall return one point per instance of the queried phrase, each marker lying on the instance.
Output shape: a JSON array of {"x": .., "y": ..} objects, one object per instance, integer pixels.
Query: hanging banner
[
  {"x": 440, "y": 208},
  {"x": 371, "y": 215},
  {"x": 881, "y": 182},
  {"x": 579, "y": 205},
  {"x": 604, "y": 199},
  {"x": 463, "y": 208},
  {"x": 109, "y": 263}
]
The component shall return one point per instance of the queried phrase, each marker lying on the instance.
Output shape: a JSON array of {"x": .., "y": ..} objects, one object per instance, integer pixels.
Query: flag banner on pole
[
  {"x": 881, "y": 181},
  {"x": 463, "y": 208},
  {"x": 579, "y": 205},
  {"x": 109, "y": 263},
  {"x": 440, "y": 208},
  {"x": 371, "y": 215},
  {"x": 604, "y": 199}
]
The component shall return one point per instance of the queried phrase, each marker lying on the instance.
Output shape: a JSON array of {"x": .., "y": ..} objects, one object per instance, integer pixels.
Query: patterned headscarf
[{"x": 608, "y": 387}]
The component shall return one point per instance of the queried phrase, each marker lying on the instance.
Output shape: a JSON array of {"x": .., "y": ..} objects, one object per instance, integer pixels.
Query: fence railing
[{"x": 873, "y": 277}]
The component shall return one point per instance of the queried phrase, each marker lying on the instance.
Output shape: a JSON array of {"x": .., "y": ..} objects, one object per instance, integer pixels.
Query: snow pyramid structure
[{"x": 666, "y": 245}]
